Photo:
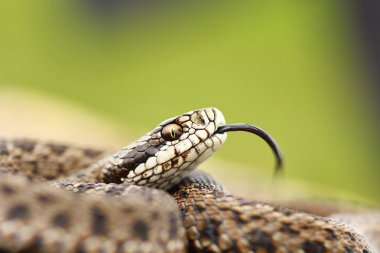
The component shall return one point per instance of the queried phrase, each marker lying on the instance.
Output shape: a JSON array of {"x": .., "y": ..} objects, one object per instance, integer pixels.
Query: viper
[{"x": 148, "y": 197}]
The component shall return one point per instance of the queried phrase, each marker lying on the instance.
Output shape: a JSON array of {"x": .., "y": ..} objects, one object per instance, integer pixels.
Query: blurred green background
[{"x": 292, "y": 68}]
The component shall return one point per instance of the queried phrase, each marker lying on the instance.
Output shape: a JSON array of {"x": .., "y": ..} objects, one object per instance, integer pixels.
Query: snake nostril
[{"x": 199, "y": 118}]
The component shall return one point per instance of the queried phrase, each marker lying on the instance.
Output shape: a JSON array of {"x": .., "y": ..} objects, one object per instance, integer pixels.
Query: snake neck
[{"x": 198, "y": 182}]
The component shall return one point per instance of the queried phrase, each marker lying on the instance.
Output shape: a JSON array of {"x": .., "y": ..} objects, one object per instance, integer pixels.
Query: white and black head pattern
[{"x": 162, "y": 157}]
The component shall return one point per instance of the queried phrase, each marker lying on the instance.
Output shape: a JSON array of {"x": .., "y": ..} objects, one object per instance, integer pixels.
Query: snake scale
[{"x": 147, "y": 197}]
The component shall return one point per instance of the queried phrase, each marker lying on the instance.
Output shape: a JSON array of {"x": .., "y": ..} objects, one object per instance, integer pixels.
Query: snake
[{"x": 149, "y": 197}]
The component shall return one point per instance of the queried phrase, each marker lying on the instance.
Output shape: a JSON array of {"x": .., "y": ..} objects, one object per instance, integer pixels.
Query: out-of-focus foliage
[{"x": 290, "y": 68}]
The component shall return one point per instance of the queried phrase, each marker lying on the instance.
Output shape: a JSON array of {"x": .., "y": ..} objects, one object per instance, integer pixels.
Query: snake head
[{"x": 162, "y": 157}]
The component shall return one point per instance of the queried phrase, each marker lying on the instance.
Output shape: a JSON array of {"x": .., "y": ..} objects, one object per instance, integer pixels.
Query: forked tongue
[{"x": 259, "y": 132}]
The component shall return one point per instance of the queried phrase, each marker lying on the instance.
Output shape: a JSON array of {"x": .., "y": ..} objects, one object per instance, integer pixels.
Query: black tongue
[{"x": 259, "y": 132}]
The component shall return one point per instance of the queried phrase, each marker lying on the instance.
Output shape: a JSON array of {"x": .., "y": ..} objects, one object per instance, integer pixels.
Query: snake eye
[{"x": 171, "y": 132}]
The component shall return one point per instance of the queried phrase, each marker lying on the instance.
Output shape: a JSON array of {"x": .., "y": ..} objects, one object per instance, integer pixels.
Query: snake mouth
[{"x": 259, "y": 132}]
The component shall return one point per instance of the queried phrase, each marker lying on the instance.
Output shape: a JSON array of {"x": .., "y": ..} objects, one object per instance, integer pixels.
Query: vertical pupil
[{"x": 171, "y": 132}]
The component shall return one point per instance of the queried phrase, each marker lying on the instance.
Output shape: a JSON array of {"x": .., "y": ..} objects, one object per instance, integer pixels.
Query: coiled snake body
[{"x": 55, "y": 198}]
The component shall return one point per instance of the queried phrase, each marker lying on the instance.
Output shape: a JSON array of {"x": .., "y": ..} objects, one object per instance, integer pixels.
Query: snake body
[{"x": 146, "y": 197}]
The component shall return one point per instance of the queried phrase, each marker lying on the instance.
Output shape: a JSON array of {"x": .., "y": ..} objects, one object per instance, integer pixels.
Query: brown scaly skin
[
  {"x": 366, "y": 223},
  {"x": 42, "y": 161},
  {"x": 215, "y": 221},
  {"x": 219, "y": 222},
  {"x": 37, "y": 218},
  {"x": 135, "y": 219}
]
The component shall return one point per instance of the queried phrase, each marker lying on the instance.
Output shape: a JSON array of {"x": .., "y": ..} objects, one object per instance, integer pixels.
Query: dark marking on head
[
  {"x": 115, "y": 175},
  {"x": 175, "y": 161},
  {"x": 140, "y": 158},
  {"x": 154, "y": 142},
  {"x": 25, "y": 145},
  {"x": 112, "y": 177},
  {"x": 18, "y": 211},
  {"x": 141, "y": 229},
  {"x": 166, "y": 165},
  {"x": 142, "y": 147},
  {"x": 61, "y": 220},
  {"x": 151, "y": 151},
  {"x": 173, "y": 224},
  {"x": 6, "y": 189},
  {"x": 123, "y": 173},
  {"x": 130, "y": 154},
  {"x": 128, "y": 164},
  {"x": 99, "y": 222},
  {"x": 313, "y": 247},
  {"x": 185, "y": 154}
]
